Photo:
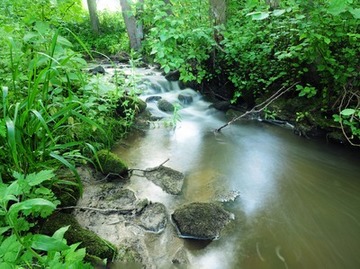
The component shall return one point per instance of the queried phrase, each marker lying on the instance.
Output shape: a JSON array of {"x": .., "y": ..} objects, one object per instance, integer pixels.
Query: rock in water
[
  {"x": 153, "y": 218},
  {"x": 168, "y": 179},
  {"x": 202, "y": 221},
  {"x": 165, "y": 105},
  {"x": 97, "y": 70}
]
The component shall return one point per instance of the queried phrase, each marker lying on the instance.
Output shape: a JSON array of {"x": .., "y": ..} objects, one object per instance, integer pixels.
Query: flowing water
[{"x": 299, "y": 202}]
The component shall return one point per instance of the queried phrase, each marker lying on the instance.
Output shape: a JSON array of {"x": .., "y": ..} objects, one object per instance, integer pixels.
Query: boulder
[
  {"x": 153, "y": 98},
  {"x": 173, "y": 76},
  {"x": 168, "y": 179},
  {"x": 153, "y": 218},
  {"x": 97, "y": 70},
  {"x": 201, "y": 221},
  {"x": 222, "y": 105},
  {"x": 109, "y": 163},
  {"x": 185, "y": 99},
  {"x": 165, "y": 105}
]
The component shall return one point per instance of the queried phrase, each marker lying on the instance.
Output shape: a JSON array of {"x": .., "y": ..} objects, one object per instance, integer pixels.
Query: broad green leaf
[
  {"x": 47, "y": 243},
  {"x": 59, "y": 234},
  {"x": 258, "y": 15},
  {"x": 63, "y": 41},
  {"x": 355, "y": 12},
  {"x": 30, "y": 35},
  {"x": 37, "y": 178},
  {"x": 278, "y": 12},
  {"x": 348, "y": 112},
  {"x": 35, "y": 205},
  {"x": 4, "y": 229},
  {"x": 337, "y": 6}
]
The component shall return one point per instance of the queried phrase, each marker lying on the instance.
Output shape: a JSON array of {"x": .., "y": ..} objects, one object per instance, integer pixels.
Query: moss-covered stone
[
  {"x": 165, "y": 105},
  {"x": 111, "y": 163},
  {"x": 201, "y": 221},
  {"x": 95, "y": 246}
]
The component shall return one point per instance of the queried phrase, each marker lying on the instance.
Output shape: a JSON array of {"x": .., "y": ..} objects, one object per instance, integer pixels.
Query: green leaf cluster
[
  {"x": 181, "y": 40},
  {"x": 19, "y": 209}
]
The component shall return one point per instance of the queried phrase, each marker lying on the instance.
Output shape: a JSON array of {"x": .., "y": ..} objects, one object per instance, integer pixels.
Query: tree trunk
[
  {"x": 273, "y": 3},
  {"x": 218, "y": 11},
  {"x": 168, "y": 9},
  {"x": 94, "y": 20},
  {"x": 134, "y": 29}
]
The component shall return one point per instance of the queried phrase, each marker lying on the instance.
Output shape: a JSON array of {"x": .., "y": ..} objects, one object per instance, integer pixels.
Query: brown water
[{"x": 299, "y": 203}]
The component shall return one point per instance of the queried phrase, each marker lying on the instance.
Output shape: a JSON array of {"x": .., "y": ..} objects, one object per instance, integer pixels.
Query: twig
[
  {"x": 151, "y": 169},
  {"x": 260, "y": 107}
]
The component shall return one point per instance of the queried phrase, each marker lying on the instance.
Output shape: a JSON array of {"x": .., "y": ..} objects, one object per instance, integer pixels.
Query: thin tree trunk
[
  {"x": 133, "y": 28},
  {"x": 94, "y": 20}
]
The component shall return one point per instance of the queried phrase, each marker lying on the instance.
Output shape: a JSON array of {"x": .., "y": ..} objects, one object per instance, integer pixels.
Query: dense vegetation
[{"x": 55, "y": 115}]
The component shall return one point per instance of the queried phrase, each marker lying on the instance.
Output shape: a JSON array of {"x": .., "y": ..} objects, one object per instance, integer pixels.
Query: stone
[
  {"x": 185, "y": 99},
  {"x": 222, "y": 105},
  {"x": 171, "y": 181},
  {"x": 165, "y": 105},
  {"x": 153, "y": 218},
  {"x": 201, "y": 221},
  {"x": 110, "y": 163},
  {"x": 97, "y": 70},
  {"x": 153, "y": 98},
  {"x": 173, "y": 76}
]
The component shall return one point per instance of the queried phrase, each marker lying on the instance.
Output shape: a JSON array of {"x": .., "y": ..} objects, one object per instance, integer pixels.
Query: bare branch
[{"x": 260, "y": 107}]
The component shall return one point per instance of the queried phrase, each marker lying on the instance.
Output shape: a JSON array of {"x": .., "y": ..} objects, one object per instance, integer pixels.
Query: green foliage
[
  {"x": 19, "y": 209},
  {"x": 182, "y": 40}
]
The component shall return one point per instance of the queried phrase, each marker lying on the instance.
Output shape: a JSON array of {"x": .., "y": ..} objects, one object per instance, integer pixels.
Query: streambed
[{"x": 298, "y": 203}]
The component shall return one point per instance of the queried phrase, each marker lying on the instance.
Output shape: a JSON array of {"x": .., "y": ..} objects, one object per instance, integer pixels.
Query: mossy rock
[
  {"x": 201, "y": 221},
  {"x": 127, "y": 102},
  {"x": 111, "y": 163},
  {"x": 165, "y": 105},
  {"x": 95, "y": 246}
]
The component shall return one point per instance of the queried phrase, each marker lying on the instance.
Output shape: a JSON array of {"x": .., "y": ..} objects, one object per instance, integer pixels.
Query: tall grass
[{"x": 39, "y": 112}]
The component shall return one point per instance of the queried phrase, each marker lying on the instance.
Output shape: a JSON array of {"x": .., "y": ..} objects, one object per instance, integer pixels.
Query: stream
[{"x": 299, "y": 200}]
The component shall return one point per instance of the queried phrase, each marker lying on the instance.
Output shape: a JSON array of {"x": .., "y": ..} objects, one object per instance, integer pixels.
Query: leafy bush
[{"x": 181, "y": 40}]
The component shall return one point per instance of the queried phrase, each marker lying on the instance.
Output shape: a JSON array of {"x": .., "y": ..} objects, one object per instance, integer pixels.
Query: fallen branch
[
  {"x": 260, "y": 107},
  {"x": 151, "y": 169}
]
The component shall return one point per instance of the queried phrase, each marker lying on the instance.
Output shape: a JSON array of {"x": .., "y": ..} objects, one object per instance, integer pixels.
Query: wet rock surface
[
  {"x": 201, "y": 221},
  {"x": 165, "y": 105},
  {"x": 153, "y": 218},
  {"x": 168, "y": 179}
]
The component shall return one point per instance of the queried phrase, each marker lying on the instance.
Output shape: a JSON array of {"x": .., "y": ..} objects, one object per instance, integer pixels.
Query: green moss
[
  {"x": 95, "y": 246},
  {"x": 110, "y": 163}
]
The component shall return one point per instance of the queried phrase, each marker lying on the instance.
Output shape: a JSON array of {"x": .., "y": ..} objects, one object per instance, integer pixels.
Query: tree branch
[{"x": 260, "y": 107}]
